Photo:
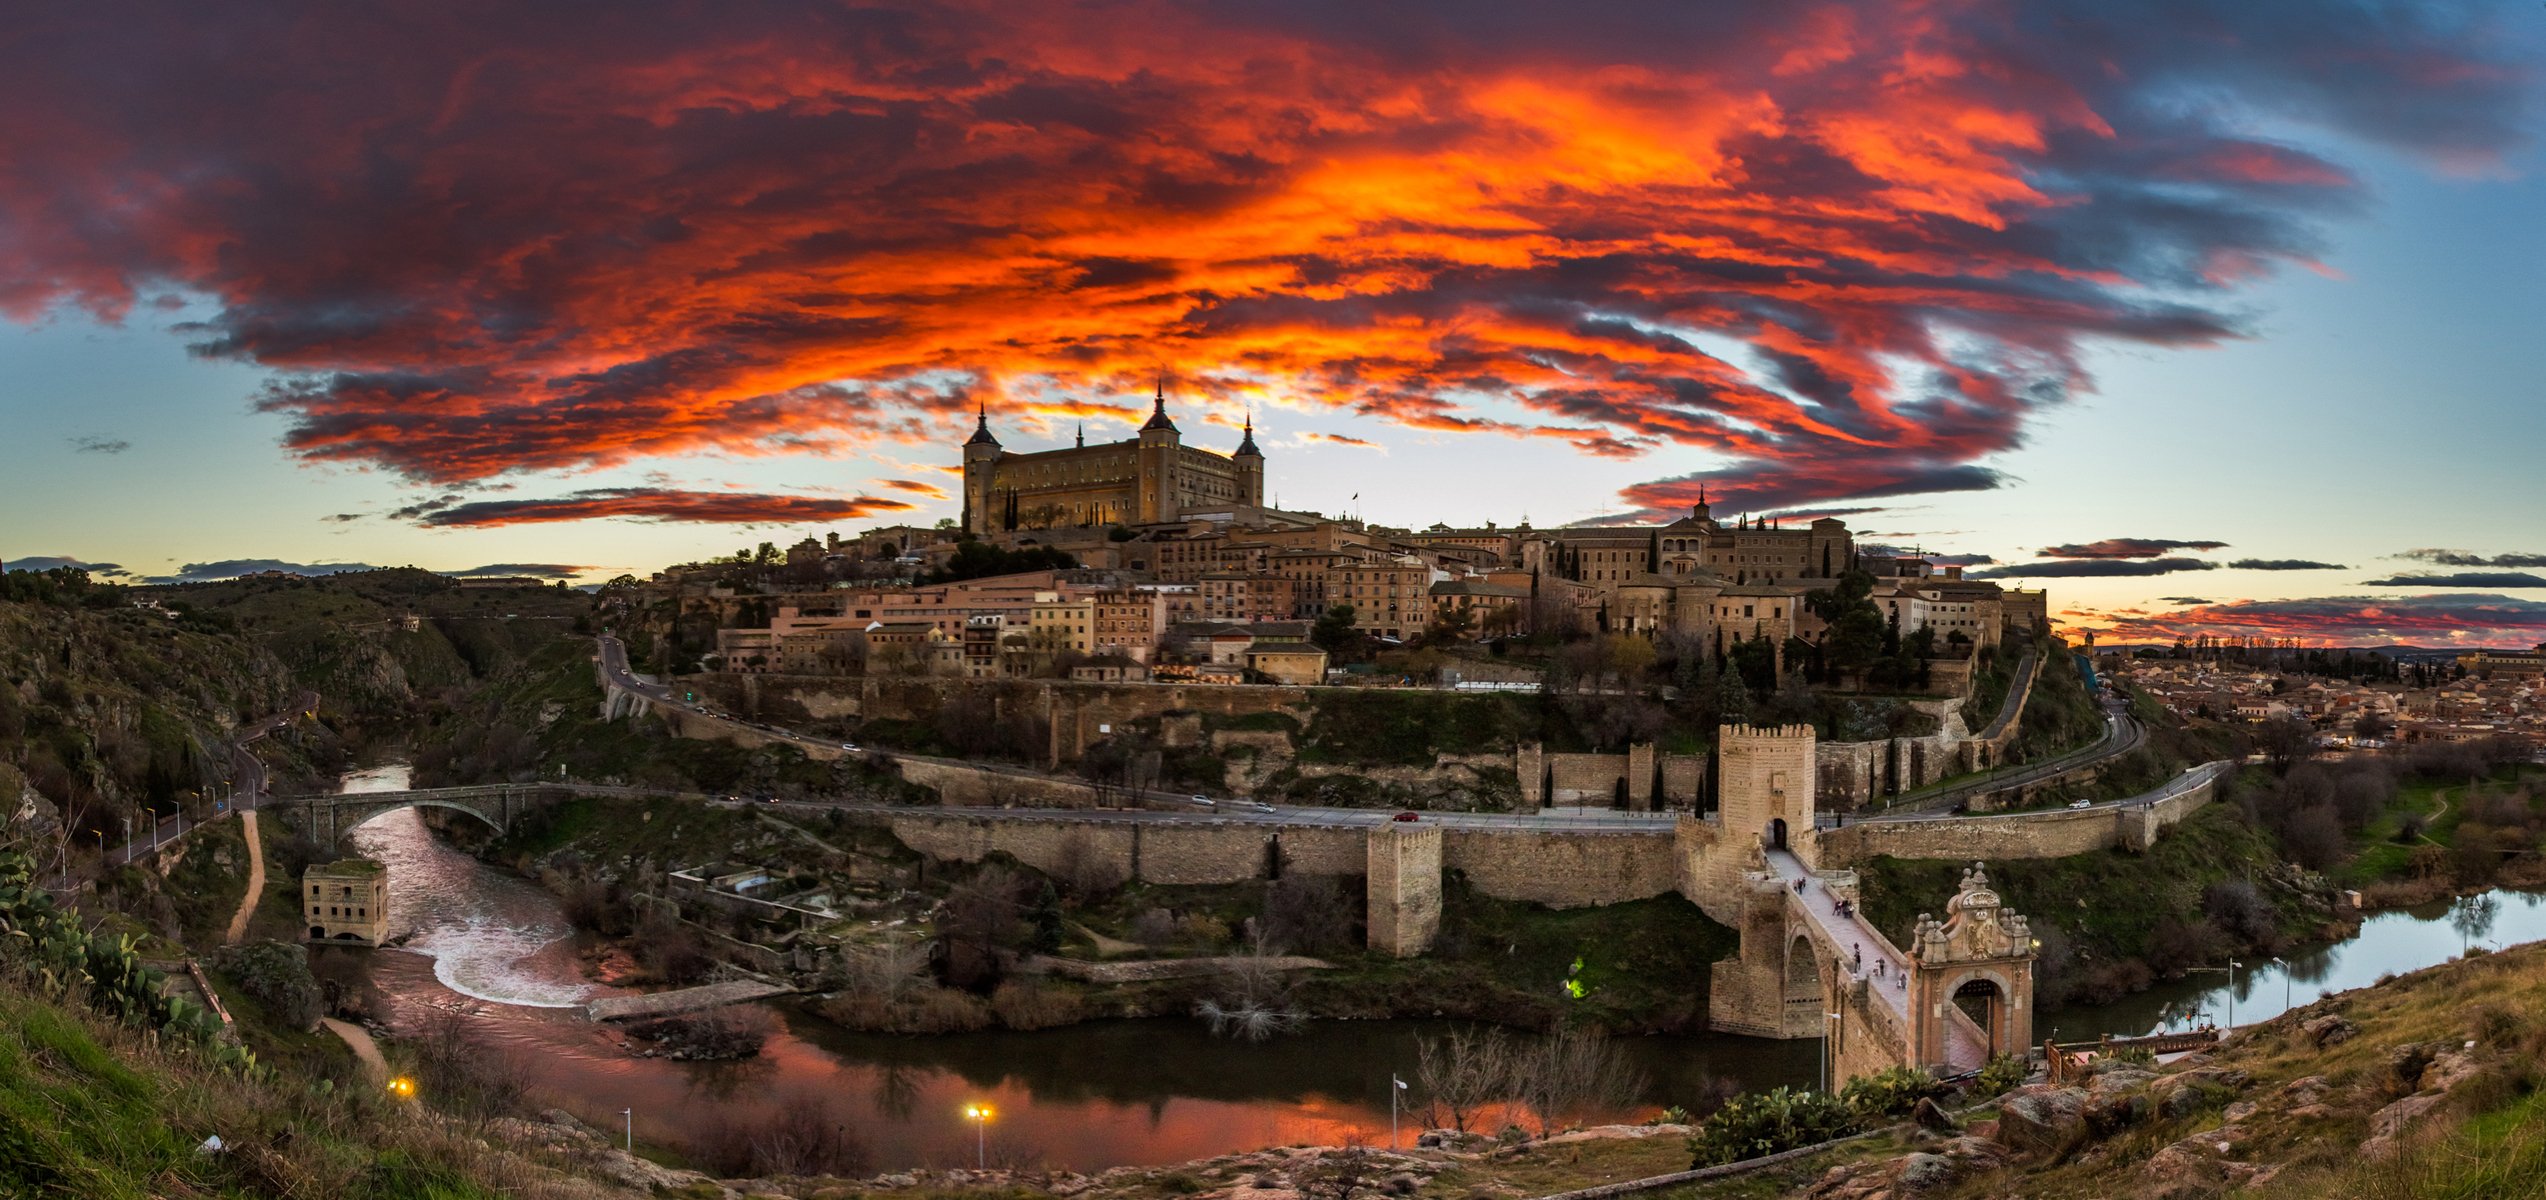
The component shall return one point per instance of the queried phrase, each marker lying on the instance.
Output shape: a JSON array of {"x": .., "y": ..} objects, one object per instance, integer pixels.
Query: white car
[
  {"x": 1205, "y": 802},
  {"x": 2081, "y": 804},
  {"x": 851, "y": 747}
]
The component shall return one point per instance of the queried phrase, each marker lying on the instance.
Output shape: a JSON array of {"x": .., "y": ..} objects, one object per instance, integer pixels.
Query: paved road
[
  {"x": 2191, "y": 778},
  {"x": 1181, "y": 806},
  {"x": 2122, "y": 734},
  {"x": 247, "y": 791}
]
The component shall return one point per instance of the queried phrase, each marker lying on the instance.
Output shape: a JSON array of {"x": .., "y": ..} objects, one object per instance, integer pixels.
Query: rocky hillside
[
  {"x": 2424, "y": 1086},
  {"x": 106, "y": 711}
]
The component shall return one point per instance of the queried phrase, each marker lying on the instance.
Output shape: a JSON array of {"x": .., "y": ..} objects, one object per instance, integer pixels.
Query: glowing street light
[
  {"x": 979, "y": 1115},
  {"x": 402, "y": 1087}
]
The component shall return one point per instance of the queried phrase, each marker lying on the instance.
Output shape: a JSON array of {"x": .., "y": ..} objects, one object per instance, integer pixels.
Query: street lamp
[
  {"x": 2231, "y": 969},
  {"x": 628, "y": 1115},
  {"x": 980, "y": 1115},
  {"x": 402, "y": 1087}
]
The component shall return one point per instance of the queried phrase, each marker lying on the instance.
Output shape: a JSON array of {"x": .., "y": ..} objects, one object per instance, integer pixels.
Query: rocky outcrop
[{"x": 2041, "y": 1120}]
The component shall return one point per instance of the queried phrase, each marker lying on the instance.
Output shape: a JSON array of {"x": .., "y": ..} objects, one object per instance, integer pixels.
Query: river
[{"x": 497, "y": 948}]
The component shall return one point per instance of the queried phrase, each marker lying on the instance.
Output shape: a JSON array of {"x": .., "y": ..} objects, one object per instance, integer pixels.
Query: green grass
[{"x": 89, "y": 1112}]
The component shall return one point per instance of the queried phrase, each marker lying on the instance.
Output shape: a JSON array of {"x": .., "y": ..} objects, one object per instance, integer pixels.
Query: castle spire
[
  {"x": 1082, "y": 435},
  {"x": 1246, "y": 445},
  {"x": 1158, "y": 413},
  {"x": 981, "y": 432}
]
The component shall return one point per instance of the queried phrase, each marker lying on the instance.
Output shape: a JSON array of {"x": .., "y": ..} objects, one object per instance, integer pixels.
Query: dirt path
[
  {"x": 256, "y": 887},
  {"x": 364, "y": 1048}
]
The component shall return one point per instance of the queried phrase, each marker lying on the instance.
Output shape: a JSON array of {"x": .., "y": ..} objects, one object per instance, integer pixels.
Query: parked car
[{"x": 1407, "y": 816}]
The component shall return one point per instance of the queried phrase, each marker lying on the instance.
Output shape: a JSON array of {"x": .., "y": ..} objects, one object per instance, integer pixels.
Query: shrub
[
  {"x": 1028, "y": 1004},
  {"x": 277, "y": 974},
  {"x": 2003, "y": 1072},
  {"x": 1890, "y": 1092},
  {"x": 1762, "y": 1123}
]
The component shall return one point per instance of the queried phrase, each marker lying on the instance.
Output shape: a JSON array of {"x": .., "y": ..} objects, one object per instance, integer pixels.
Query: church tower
[
  {"x": 1160, "y": 446},
  {"x": 981, "y": 468},
  {"x": 1250, "y": 464}
]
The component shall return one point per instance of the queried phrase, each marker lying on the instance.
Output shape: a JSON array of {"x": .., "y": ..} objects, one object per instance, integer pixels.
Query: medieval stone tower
[
  {"x": 1159, "y": 443},
  {"x": 981, "y": 468},
  {"x": 1765, "y": 787}
]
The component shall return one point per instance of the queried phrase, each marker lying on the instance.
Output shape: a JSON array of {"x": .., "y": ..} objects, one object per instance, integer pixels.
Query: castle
[{"x": 1151, "y": 478}]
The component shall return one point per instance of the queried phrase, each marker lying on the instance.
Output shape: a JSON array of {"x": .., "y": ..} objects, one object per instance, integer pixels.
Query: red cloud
[
  {"x": 665, "y": 504},
  {"x": 1337, "y": 439},
  {"x": 772, "y": 229},
  {"x": 2450, "y": 620}
]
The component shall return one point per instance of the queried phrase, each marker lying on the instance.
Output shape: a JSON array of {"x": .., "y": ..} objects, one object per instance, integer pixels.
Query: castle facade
[{"x": 1151, "y": 478}]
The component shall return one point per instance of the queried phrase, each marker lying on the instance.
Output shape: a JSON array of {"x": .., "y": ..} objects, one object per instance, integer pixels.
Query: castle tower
[
  {"x": 981, "y": 468},
  {"x": 1160, "y": 445},
  {"x": 1765, "y": 787},
  {"x": 1250, "y": 464}
]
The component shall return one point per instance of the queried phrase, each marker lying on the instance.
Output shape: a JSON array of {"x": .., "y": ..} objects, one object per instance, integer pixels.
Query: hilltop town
[{"x": 1151, "y": 559}]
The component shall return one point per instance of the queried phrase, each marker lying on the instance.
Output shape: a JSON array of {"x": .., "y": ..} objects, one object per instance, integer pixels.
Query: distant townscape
[{"x": 1148, "y": 558}]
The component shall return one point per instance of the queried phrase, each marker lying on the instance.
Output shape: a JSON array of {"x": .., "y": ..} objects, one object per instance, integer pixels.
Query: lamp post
[
  {"x": 980, "y": 1114},
  {"x": 628, "y": 1116},
  {"x": 2231, "y": 969},
  {"x": 1395, "y": 1086}
]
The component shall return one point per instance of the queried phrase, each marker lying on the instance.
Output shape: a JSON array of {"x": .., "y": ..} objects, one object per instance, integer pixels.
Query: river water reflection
[{"x": 497, "y": 948}]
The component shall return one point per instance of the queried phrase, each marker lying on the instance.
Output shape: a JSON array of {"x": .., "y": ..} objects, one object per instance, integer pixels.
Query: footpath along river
[{"x": 498, "y": 949}]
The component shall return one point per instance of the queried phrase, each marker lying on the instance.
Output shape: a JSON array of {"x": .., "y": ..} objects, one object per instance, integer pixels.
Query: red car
[{"x": 1407, "y": 816}]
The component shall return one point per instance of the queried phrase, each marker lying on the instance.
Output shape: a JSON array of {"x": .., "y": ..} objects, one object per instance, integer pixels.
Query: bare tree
[
  {"x": 1082, "y": 870},
  {"x": 1253, "y": 1001},
  {"x": 1573, "y": 1071},
  {"x": 1463, "y": 1073}
]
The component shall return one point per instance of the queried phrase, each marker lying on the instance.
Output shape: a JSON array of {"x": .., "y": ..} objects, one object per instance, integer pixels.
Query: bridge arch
[{"x": 326, "y": 818}]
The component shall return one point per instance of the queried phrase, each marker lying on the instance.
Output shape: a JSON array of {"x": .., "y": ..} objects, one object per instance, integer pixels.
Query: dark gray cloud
[
  {"x": 2460, "y": 579},
  {"x": 426, "y": 507},
  {"x": 100, "y": 445},
  {"x": 2284, "y": 564},
  {"x": 2095, "y": 568},
  {"x": 2125, "y": 547},
  {"x": 232, "y": 568},
  {"x": 2463, "y": 558},
  {"x": 101, "y": 570},
  {"x": 2183, "y": 600},
  {"x": 543, "y": 570}
]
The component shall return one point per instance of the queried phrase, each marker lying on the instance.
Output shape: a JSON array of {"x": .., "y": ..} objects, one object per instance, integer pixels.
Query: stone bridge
[
  {"x": 326, "y": 818},
  {"x": 1811, "y": 966}
]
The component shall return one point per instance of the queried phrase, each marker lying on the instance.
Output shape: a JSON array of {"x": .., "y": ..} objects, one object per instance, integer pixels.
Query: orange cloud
[{"x": 781, "y": 230}]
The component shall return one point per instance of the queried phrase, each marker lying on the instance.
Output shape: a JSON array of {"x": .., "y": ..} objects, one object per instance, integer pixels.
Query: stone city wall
[
  {"x": 2054, "y": 834},
  {"x": 1564, "y": 869},
  {"x": 1852, "y": 773}
]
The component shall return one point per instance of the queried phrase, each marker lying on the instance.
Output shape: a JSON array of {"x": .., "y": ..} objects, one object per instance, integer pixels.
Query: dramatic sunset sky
[{"x": 2223, "y": 317}]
